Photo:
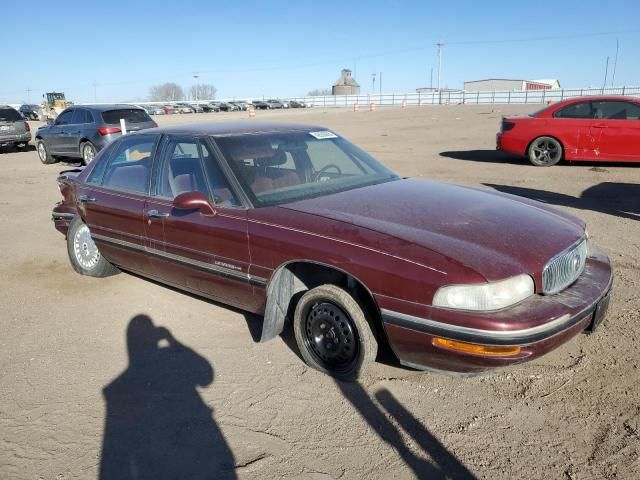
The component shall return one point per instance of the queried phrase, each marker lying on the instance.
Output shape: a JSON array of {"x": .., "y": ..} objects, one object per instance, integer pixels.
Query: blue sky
[{"x": 248, "y": 49}]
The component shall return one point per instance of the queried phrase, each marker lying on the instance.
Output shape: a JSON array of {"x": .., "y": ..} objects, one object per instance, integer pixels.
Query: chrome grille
[{"x": 564, "y": 269}]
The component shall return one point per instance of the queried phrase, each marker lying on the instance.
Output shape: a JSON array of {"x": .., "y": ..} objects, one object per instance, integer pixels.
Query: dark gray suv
[
  {"x": 82, "y": 131},
  {"x": 13, "y": 128}
]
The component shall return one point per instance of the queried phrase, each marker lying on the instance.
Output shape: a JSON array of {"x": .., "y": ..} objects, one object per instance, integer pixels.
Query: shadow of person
[
  {"x": 435, "y": 462},
  {"x": 157, "y": 426}
]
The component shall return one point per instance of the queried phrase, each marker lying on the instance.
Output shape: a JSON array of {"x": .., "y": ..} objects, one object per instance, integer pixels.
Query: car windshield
[
  {"x": 132, "y": 115},
  {"x": 9, "y": 115},
  {"x": 276, "y": 168}
]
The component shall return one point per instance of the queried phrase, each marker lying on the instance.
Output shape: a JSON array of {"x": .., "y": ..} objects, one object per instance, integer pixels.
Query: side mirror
[
  {"x": 50, "y": 121},
  {"x": 194, "y": 201}
]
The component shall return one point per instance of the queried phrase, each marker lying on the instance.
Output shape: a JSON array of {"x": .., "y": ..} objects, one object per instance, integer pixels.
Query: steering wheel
[{"x": 325, "y": 168}]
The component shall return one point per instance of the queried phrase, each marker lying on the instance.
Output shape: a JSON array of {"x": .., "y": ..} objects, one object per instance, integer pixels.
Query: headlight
[{"x": 485, "y": 296}]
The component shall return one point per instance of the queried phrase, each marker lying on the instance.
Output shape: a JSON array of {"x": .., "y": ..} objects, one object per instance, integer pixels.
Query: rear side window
[
  {"x": 9, "y": 115},
  {"x": 130, "y": 165},
  {"x": 130, "y": 115},
  {"x": 81, "y": 116},
  {"x": 612, "y": 110},
  {"x": 576, "y": 110}
]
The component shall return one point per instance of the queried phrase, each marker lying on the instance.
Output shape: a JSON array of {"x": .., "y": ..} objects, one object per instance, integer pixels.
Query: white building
[{"x": 505, "y": 84}]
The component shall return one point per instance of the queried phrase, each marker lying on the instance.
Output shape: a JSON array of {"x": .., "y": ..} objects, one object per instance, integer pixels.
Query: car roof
[
  {"x": 107, "y": 107},
  {"x": 602, "y": 98},
  {"x": 235, "y": 128}
]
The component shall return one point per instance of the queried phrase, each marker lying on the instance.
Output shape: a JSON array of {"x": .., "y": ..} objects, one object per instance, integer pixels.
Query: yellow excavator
[{"x": 54, "y": 104}]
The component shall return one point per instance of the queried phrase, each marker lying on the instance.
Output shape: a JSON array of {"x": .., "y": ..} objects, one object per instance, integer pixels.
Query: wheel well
[
  {"x": 526, "y": 151},
  {"x": 292, "y": 280}
]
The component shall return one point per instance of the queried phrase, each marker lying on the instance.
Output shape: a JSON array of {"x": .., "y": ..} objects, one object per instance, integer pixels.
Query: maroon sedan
[
  {"x": 586, "y": 128},
  {"x": 297, "y": 224}
]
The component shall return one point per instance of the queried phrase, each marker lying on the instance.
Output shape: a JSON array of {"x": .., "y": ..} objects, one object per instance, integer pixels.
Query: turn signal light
[
  {"x": 27, "y": 127},
  {"x": 476, "y": 349},
  {"x": 108, "y": 130}
]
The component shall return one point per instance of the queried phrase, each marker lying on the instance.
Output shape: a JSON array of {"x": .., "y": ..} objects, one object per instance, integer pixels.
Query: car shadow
[
  {"x": 157, "y": 426},
  {"x": 486, "y": 156},
  {"x": 428, "y": 458},
  {"x": 613, "y": 198}
]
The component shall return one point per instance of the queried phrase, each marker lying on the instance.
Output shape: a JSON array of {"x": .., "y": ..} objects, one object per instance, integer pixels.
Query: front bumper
[{"x": 537, "y": 325}]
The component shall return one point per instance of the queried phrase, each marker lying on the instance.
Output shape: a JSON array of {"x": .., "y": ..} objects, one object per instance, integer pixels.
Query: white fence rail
[{"x": 461, "y": 97}]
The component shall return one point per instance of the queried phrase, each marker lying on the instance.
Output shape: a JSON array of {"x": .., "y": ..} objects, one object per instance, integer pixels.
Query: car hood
[{"x": 494, "y": 234}]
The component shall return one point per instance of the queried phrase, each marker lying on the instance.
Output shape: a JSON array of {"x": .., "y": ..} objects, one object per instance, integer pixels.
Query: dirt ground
[{"x": 573, "y": 414}]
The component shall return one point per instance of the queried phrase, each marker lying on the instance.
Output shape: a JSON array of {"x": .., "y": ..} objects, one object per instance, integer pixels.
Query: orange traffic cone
[
  {"x": 404, "y": 104},
  {"x": 252, "y": 112},
  {"x": 356, "y": 107},
  {"x": 372, "y": 107}
]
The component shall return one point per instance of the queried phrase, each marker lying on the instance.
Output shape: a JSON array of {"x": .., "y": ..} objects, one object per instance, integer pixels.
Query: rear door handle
[
  {"x": 86, "y": 199},
  {"x": 600, "y": 125},
  {"x": 156, "y": 214}
]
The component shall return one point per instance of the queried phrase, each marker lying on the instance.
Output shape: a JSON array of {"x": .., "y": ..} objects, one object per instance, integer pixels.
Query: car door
[
  {"x": 112, "y": 199},
  {"x": 572, "y": 125},
  {"x": 619, "y": 125},
  {"x": 203, "y": 253},
  {"x": 74, "y": 132},
  {"x": 55, "y": 134}
]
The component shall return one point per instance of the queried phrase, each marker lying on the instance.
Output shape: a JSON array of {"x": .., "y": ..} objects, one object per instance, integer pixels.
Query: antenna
[
  {"x": 606, "y": 71},
  {"x": 615, "y": 62}
]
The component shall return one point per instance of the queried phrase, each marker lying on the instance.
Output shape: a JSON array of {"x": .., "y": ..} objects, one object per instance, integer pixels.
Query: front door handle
[
  {"x": 156, "y": 214},
  {"x": 86, "y": 199},
  {"x": 600, "y": 125}
]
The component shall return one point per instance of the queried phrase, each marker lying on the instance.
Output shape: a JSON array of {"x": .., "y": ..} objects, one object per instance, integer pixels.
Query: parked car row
[{"x": 218, "y": 106}]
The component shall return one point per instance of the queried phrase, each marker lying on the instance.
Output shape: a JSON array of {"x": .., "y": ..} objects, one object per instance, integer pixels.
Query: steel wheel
[
  {"x": 88, "y": 153},
  {"x": 85, "y": 250},
  {"x": 545, "y": 151},
  {"x": 331, "y": 336}
]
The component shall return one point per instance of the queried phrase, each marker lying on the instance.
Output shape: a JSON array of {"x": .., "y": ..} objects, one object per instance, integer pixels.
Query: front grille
[{"x": 565, "y": 268}]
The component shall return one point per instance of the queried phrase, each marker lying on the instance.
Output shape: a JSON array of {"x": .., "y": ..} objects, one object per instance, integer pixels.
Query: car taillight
[
  {"x": 108, "y": 130},
  {"x": 27, "y": 127},
  {"x": 506, "y": 126}
]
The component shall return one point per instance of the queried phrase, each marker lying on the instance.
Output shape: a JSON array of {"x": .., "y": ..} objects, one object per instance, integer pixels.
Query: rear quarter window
[
  {"x": 131, "y": 115},
  {"x": 9, "y": 115}
]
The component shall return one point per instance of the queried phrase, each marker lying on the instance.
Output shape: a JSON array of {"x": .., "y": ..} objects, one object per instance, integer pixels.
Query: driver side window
[{"x": 188, "y": 166}]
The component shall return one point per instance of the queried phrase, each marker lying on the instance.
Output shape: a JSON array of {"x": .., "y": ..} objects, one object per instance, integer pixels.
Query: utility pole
[
  {"x": 95, "y": 91},
  {"x": 195, "y": 89},
  {"x": 28, "y": 90},
  {"x": 615, "y": 62},
  {"x": 380, "y": 84},
  {"x": 606, "y": 71},
  {"x": 431, "y": 81},
  {"x": 439, "y": 45},
  {"x": 373, "y": 83}
]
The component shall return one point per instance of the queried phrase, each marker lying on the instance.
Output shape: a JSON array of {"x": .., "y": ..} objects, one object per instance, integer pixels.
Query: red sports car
[
  {"x": 297, "y": 224},
  {"x": 603, "y": 129}
]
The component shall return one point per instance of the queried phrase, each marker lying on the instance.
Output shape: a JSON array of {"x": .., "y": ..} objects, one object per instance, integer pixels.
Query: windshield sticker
[{"x": 323, "y": 134}]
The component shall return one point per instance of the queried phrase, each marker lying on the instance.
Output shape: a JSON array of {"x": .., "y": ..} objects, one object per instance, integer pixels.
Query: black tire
[
  {"x": 83, "y": 253},
  {"x": 349, "y": 347},
  {"x": 87, "y": 152},
  {"x": 43, "y": 153},
  {"x": 545, "y": 152}
]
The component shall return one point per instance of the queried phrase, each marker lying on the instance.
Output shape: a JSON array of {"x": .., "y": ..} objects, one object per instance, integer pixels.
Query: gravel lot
[{"x": 573, "y": 414}]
